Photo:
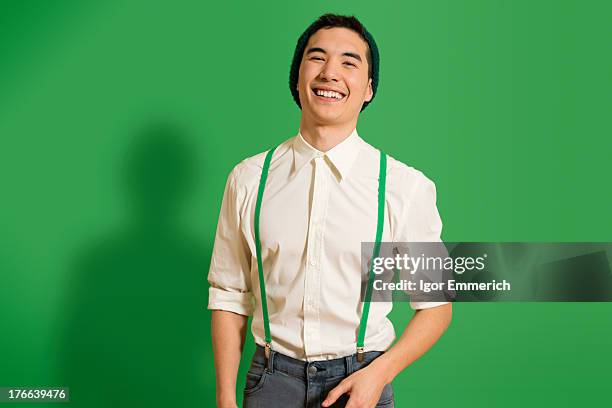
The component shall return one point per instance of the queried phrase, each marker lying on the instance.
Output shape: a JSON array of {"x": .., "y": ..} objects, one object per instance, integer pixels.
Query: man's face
[{"x": 333, "y": 81}]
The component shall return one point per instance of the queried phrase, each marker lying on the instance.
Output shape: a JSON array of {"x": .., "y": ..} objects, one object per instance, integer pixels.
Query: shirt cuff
[
  {"x": 237, "y": 302},
  {"x": 426, "y": 305}
]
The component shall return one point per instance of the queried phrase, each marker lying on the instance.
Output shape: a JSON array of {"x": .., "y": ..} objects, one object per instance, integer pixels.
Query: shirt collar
[{"x": 342, "y": 156}]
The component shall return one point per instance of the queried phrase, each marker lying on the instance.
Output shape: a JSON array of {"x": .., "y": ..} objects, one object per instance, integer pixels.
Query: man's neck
[{"x": 324, "y": 138}]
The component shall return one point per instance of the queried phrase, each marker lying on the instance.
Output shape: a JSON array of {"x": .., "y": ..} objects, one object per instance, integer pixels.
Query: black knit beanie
[{"x": 329, "y": 21}]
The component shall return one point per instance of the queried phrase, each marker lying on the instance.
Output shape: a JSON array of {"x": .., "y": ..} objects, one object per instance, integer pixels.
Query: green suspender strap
[
  {"x": 262, "y": 282},
  {"x": 382, "y": 177},
  {"x": 382, "y": 182}
]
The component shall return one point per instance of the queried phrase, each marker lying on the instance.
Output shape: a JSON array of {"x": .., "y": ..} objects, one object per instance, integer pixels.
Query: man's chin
[
  {"x": 327, "y": 118},
  {"x": 326, "y": 111}
]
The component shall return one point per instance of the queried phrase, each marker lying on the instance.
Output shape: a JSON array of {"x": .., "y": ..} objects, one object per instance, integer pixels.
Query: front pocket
[
  {"x": 386, "y": 397},
  {"x": 255, "y": 379}
]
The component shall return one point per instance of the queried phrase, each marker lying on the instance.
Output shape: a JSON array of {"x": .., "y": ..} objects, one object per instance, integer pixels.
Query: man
[{"x": 296, "y": 216}]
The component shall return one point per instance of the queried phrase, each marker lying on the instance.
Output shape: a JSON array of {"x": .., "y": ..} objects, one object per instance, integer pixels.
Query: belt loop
[
  {"x": 270, "y": 362},
  {"x": 348, "y": 362}
]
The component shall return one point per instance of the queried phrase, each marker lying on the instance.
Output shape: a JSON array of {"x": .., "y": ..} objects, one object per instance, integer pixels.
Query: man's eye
[
  {"x": 317, "y": 58},
  {"x": 350, "y": 64}
]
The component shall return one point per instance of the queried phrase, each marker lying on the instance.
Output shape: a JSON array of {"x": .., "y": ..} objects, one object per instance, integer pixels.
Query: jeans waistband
[{"x": 336, "y": 367}]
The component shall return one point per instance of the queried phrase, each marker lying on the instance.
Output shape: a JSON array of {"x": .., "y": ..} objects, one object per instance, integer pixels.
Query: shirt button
[
  {"x": 312, "y": 370},
  {"x": 313, "y": 262}
]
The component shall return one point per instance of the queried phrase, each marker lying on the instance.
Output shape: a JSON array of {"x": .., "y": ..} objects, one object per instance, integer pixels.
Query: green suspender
[
  {"x": 382, "y": 182},
  {"x": 262, "y": 282},
  {"x": 382, "y": 178}
]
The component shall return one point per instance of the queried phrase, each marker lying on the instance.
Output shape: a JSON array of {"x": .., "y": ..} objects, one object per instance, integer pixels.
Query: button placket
[
  {"x": 322, "y": 206},
  {"x": 312, "y": 277}
]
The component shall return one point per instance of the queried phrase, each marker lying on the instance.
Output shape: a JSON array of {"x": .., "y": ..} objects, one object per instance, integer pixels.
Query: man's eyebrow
[
  {"x": 345, "y": 54},
  {"x": 315, "y": 49},
  {"x": 352, "y": 55}
]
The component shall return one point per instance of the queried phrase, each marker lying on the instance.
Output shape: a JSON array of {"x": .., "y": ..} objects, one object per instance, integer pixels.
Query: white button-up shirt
[{"x": 317, "y": 209}]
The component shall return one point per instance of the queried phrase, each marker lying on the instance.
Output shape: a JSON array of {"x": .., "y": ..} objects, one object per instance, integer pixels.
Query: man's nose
[{"x": 329, "y": 72}]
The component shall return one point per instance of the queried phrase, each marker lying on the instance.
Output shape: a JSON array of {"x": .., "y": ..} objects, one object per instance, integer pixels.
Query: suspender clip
[
  {"x": 268, "y": 360},
  {"x": 360, "y": 354}
]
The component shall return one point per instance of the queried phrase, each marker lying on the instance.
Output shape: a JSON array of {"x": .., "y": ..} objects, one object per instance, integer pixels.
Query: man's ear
[{"x": 369, "y": 91}]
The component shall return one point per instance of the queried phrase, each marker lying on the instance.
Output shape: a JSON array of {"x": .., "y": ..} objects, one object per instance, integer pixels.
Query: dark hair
[{"x": 330, "y": 21}]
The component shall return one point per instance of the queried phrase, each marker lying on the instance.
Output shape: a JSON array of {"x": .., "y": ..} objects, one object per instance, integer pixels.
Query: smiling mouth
[{"x": 327, "y": 95}]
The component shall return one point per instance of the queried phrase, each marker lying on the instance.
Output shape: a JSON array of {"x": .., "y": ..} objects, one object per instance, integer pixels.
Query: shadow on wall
[{"x": 137, "y": 332}]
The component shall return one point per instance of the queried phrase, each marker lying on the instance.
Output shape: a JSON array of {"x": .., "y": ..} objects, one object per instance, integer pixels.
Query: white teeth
[{"x": 329, "y": 94}]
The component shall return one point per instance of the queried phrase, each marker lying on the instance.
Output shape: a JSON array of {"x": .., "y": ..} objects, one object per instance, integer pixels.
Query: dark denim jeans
[{"x": 292, "y": 383}]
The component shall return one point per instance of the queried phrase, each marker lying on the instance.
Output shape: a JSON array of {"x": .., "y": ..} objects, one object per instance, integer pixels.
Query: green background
[{"x": 120, "y": 121}]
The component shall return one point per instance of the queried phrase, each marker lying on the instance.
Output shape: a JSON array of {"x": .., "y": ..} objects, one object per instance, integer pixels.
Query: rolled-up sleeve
[
  {"x": 421, "y": 222},
  {"x": 229, "y": 274}
]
